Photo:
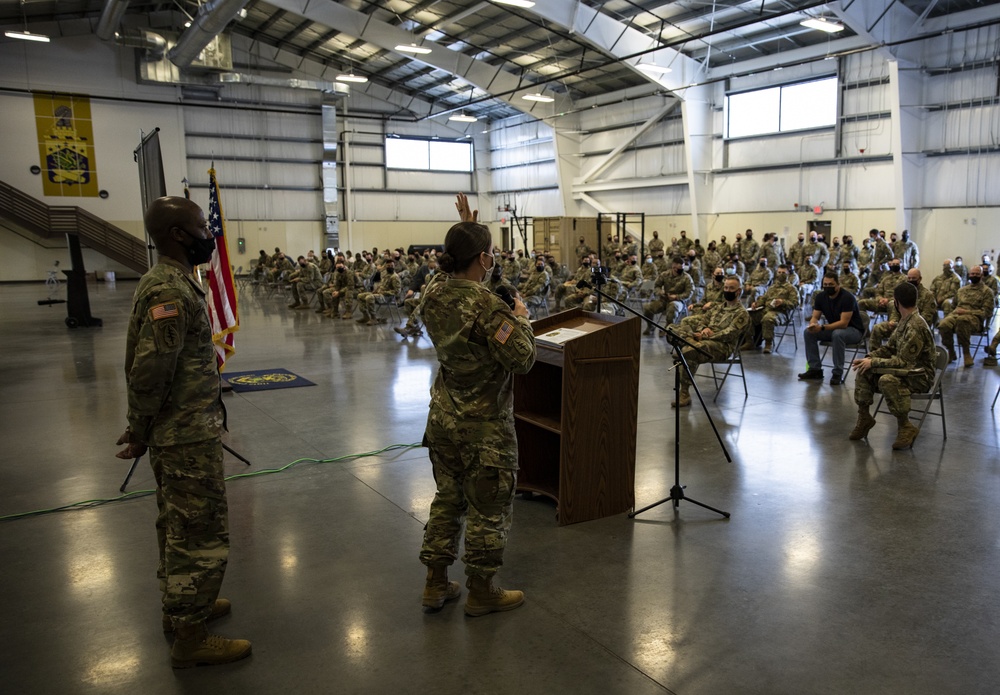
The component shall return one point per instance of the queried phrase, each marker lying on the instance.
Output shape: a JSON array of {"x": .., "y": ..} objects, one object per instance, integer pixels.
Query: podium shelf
[{"x": 546, "y": 422}]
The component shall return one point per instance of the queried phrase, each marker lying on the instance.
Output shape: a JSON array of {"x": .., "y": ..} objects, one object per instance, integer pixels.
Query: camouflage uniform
[
  {"x": 388, "y": 286},
  {"x": 817, "y": 251},
  {"x": 797, "y": 253},
  {"x": 850, "y": 282},
  {"x": 309, "y": 279},
  {"x": 336, "y": 291},
  {"x": 174, "y": 408},
  {"x": 729, "y": 325},
  {"x": 631, "y": 277},
  {"x": 764, "y": 320},
  {"x": 669, "y": 283},
  {"x": 907, "y": 252},
  {"x": 582, "y": 273},
  {"x": 926, "y": 307},
  {"x": 760, "y": 278},
  {"x": 535, "y": 284},
  {"x": 470, "y": 428},
  {"x": 654, "y": 246},
  {"x": 413, "y": 305},
  {"x": 977, "y": 300},
  {"x": 749, "y": 251},
  {"x": 911, "y": 347},
  {"x": 945, "y": 288},
  {"x": 684, "y": 245},
  {"x": 884, "y": 290}
]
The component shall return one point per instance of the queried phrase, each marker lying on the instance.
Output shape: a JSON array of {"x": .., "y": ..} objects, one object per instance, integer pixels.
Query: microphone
[{"x": 505, "y": 295}]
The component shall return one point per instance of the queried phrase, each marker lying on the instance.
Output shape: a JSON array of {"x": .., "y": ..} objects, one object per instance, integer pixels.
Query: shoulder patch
[
  {"x": 164, "y": 311},
  {"x": 504, "y": 332}
]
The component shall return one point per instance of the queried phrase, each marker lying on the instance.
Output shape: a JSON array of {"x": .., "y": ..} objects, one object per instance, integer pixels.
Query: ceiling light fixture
[
  {"x": 463, "y": 118},
  {"x": 26, "y": 36},
  {"x": 822, "y": 24},
  {"x": 515, "y": 3},
  {"x": 351, "y": 77},
  {"x": 412, "y": 48},
  {"x": 537, "y": 97}
]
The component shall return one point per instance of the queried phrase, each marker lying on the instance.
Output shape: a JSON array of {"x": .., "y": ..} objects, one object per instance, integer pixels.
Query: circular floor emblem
[{"x": 262, "y": 379}]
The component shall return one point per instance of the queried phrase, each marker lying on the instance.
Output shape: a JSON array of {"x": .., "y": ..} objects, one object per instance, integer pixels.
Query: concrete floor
[{"x": 845, "y": 568}]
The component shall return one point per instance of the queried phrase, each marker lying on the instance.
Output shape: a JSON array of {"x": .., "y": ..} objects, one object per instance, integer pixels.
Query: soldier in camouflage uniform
[
  {"x": 973, "y": 306},
  {"x": 175, "y": 410},
  {"x": 304, "y": 280},
  {"x": 388, "y": 286},
  {"x": 336, "y": 294},
  {"x": 882, "y": 301},
  {"x": 582, "y": 250},
  {"x": 720, "y": 333},
  {"x": 881, "y": 255},
  {"x": 537, "y": 282},
  {"x": 760, "y": 279},
  {"x": 926, "y": 307},
  {"x": 778, "y": 301},
  {"x": 906, "y": 251},
  {"x": 903, "y": 366},
  {"x": 412, "y": 305},
  {"x": 569, "y": 287},
  {"x": 672, "y": 290},
  {"x": 945, "y": 287},
  {"x": 655, "y": 244},
  {"x": 480, "y": 343},
  {"x": 848, "y": 279},
  {"x": 630, "y": 275}
]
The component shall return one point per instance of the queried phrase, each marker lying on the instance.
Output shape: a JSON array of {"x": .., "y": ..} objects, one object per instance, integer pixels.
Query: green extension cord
[{"x": 89, "y": 504}]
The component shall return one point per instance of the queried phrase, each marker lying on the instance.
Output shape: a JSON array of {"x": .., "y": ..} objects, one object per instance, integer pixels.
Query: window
[
  {"x": 782, "y": 109},
  {"x": 428, "y": 155}
]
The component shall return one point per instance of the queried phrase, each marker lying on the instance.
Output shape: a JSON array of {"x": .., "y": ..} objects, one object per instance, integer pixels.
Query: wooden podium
[{"x": 575, "y": 414}]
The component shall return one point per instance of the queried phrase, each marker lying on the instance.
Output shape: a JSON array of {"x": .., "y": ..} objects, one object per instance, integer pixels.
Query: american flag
[{"x": 222, "y": 309}]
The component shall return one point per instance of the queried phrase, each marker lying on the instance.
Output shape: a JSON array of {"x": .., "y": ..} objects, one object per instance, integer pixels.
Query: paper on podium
[{"x": 559, "y": 336}]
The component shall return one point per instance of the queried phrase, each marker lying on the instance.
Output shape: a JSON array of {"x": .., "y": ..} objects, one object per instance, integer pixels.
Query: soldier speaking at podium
[
  {"x": 175, "y": 409},
  {"x": 480, "y": 342}
]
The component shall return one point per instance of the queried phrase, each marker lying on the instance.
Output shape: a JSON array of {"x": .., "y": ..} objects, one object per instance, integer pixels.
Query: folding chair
[
  {"x": 637, "y": 296},
  {"x": 719, "y": 375},
  {"x": 538, "y": 303},
  {"x": 995, "y": 397},
  {"x": 388, "y": 301},
  {"x": 935, "y": 393},
  {"x": 983, "y": 336},
  {"x": 784, "y": 327}
]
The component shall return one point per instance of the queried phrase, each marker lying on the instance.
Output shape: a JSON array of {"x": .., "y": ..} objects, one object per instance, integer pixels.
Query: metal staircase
[{"x": 55, "y": 221}]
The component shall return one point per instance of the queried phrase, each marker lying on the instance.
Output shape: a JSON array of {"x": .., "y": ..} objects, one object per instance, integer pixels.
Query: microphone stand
[{"x": 677, "y": 342}]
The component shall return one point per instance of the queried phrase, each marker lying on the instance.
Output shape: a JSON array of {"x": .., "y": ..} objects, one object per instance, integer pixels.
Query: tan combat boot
[
  {"x": 767, "y": 347},
  {"x": 907, "y": 433},
  {"x": 221, "y": 607},
  {"x": 684, "y": 400},
  {"x": 438, "y": 589},
  {"x": 485, "y": 598},
  {"x": 967, "y": 354},
  {"x": 193, "y": 646},
  {"x": 863, "y": 426}
]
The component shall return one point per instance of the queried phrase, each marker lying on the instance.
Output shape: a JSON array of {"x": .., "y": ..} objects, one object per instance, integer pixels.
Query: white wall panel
[
  {"x": 781, "y": 149},
  {"x": 963, "y": 180},
  {"x": 426, "y": 181},
  {"x": 865, "y": 186},
  {"x": 874, "y": 137},
  {"x": 398, "y": 205},
  {"x": 670, "y": 200},
  {"x": 972, "y": 127},
  {"x": 865, "y": 100},
  {"x": 276, "y": 205}
]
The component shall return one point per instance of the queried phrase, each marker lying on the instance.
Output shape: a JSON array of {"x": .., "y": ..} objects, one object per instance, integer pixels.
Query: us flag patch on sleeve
[
  {"x": 164, "y": 311},
  {"x": 503, "y": 333}
]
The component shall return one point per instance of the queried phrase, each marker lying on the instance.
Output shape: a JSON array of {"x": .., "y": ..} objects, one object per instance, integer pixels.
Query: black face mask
[
  {"x": 302, "y": 265},
  {"x": 847, "y": 269},
  {"x": 200, "y": 251},
  {"x": 974, "y": 279},
  {"x": 763, "y": 265},
  {"x": 914, "y": 283},
  {"x": 730, "y": 296},
  {"x": 631, "y": 262},
  {"x": 830, "y": 291},
  {"x": 849, "y": 242},
  {"x": 720, "y": 278},
  {"x": 539, "y": 268},
  {"x": 586, "y": 265},
  {"x": 340, "y": 269},
  {"x": 618, "y": 258},
  {"x": 390, "y": 270},
  {"x": 895, "y": 268},
  {"x": 836, "y": 244}
]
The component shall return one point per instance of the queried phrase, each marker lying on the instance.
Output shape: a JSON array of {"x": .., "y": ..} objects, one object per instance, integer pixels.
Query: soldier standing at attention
[
  {"x": 175, "y": 409},
  {"x": 480, "y": 343},
  {"x": 904, "y": 365}
]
